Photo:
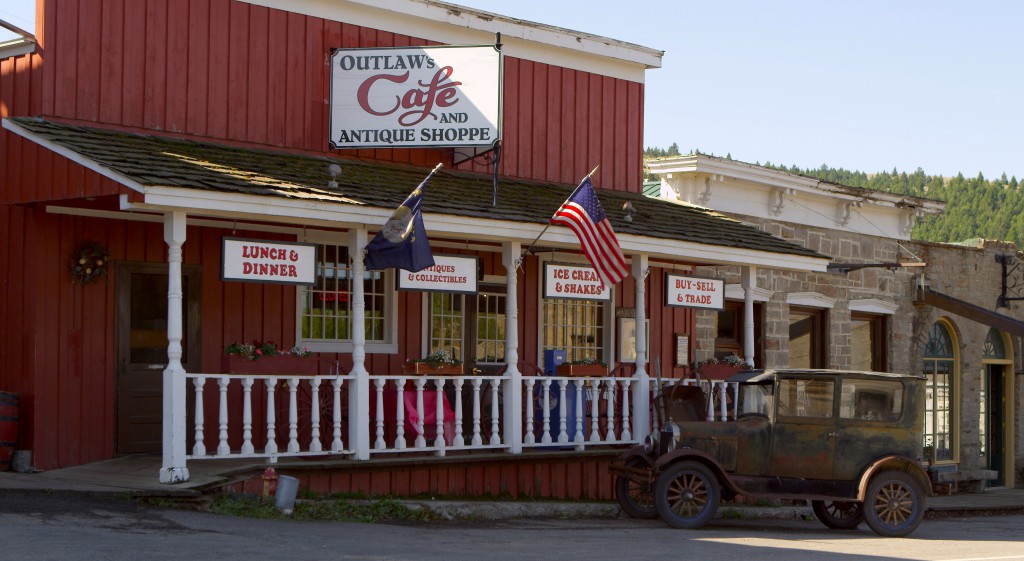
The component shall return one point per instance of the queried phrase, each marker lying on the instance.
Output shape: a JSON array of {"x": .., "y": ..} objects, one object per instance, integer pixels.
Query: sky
[{"x": 870, "y": 85}]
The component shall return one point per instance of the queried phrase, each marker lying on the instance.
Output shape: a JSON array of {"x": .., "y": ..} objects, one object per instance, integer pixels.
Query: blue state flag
[{"x": 402, "y": 242}]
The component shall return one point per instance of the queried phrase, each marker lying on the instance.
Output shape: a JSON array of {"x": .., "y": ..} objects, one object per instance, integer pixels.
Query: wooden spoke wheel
[{"x": 687, "y": 495}]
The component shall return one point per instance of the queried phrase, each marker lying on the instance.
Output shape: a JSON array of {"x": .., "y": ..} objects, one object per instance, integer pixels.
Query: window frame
[
  {"x": 390, "y": 343},
  {"x": 608, "y": 326},
  {"x": 954, "y": 390},
  {"x": 879, "y": 338},
  {"x": 818, "y": 348}
]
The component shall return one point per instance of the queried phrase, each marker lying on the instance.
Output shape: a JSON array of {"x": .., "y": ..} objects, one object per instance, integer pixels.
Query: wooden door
[{"x": 142, "y": 350}]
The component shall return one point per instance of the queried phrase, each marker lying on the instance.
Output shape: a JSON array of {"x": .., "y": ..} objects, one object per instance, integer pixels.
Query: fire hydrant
[{"x": 269, "y": 482}]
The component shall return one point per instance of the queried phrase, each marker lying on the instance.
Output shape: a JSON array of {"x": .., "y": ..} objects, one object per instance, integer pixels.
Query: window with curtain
[
  {"x": 325, "y": 309},
  {"x": 940, "y": 439}
]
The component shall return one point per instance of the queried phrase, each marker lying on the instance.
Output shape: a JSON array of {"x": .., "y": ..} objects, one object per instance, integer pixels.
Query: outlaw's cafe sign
[
  {"x": 268, "y": 261},
  {"x": 415, "y": 96},
  {"x": 574, "y": 282},
  {"x": 449, "y": 274},
  {"x": 694, "y": 292}
]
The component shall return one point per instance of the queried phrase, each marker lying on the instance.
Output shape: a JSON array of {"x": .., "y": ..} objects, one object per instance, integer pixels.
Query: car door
[{"x": 804, "y": 436}]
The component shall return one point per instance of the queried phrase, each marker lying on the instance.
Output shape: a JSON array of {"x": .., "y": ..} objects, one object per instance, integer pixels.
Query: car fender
[
  {"x": 901, "y": 463},
  {"x": 635, "y": 452}
]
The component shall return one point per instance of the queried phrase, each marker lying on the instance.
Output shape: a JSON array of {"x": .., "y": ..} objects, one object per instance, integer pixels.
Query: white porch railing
[{"x": 276, "y": 416}]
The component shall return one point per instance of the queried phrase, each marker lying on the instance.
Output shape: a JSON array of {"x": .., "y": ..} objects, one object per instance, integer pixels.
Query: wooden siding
[
  {"x": 61, "y": 336},
  {"x": 579, "y": 476},
  {"x": 223, "y": 69}
]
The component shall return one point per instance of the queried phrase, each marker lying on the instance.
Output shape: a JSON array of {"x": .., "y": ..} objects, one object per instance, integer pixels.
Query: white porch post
[
  {"x": 642, "y": 394},
  {"x": 174, "y": 469},
  {"x": 359, "y": 390},
  {"x": 513, "y": 396},
  {"x": 748, "y": 280}
]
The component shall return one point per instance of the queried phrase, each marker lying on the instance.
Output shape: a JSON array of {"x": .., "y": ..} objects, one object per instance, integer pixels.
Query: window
[
  {"x": 578, "y": 326},
  {"x": 807, "y": 337},
  {"x": 868, "y": 337},
  {"x": 449, "y": 314},
  {"x": 871, "y": 400},
  {"x": 730, "y": 335},
  {"x": 805, "y": 398},
  {"x": 939, "y": 368},
  {"x": 490, "y": 328},
  {"x": 325, "y": 309},
  {"x": 445, "y": 317}
]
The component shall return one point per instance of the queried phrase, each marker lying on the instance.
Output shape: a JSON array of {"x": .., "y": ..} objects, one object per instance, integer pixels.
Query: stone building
[{"x": 887, "y": 303}]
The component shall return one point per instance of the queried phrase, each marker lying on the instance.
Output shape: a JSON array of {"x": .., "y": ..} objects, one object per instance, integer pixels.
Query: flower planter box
[
  {"x": 718, "y": 371},
  {"x": 424, "y": 369},
  {"x": 279, "y": 365},
  {"x": 579, "y": 370}
]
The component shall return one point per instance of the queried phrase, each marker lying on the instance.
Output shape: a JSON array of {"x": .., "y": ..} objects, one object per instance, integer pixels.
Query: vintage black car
[{"x": 848, "y": 441}]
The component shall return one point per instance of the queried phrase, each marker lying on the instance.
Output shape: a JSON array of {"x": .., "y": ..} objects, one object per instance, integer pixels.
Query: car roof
[{"x": 760, "y": 376}]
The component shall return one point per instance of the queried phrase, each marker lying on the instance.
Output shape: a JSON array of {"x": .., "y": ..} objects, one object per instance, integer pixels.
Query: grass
[{"x": 336, "y": 510}]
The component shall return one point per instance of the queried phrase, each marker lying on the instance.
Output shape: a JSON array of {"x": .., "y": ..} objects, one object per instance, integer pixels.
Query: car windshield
[{"x": 754, "y": 399}]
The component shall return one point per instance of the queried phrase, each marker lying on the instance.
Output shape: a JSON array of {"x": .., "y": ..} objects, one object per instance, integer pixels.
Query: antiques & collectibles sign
[
  {"x": 449, "y": 274},
  {"x": 415, "y": 96}
]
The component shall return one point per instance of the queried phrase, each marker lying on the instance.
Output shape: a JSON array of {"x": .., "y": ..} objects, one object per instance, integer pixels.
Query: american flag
[{"x": 583, "y": 214}]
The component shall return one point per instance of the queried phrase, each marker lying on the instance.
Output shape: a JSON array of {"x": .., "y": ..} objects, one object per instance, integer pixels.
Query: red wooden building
[{"x": 140, "y": 138}]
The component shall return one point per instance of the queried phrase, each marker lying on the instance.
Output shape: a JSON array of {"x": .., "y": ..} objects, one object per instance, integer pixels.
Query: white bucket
[{"x": 284, "y": 498}]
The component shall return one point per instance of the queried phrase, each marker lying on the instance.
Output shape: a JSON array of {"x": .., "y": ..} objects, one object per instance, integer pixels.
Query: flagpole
[
  {"x": 548, "y": 225},
  {"x": 429, "y": 175}
]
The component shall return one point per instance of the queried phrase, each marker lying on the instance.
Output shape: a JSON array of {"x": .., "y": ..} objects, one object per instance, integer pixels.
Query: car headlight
[
  {"x": 650, "y": 444},
  {"x": 670, "y": 437}
]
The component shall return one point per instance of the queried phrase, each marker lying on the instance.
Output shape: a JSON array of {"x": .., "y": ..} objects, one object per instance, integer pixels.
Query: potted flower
[
  {"x": 437, "y": 363},
  {"x": 264, "y": 357},
  {"x": 587, "y": 366},
  {"x": 720, "y": 369}
]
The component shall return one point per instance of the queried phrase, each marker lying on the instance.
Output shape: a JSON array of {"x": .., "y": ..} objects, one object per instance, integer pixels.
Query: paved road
[{"x": 43, "y": 527}]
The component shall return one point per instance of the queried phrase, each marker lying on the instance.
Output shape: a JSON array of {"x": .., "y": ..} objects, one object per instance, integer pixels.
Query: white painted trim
[
  {"x": 735, "y": 292},
  {"x": 350, "y": 216},
  {"x": 874, "y": 306},
  {"x": 17, "y": 47},
  {"x": 811, "y": 300},
  {"x": 711, "y": 166},
  {"x": 74, "y": 156},
  {"x": 458, "y": 25}
]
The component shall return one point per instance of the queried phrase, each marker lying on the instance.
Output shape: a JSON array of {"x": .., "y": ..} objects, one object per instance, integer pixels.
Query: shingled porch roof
[{"x": 144, "y": 162}]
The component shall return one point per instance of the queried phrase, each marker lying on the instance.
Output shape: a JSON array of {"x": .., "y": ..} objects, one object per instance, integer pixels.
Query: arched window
[{"x": 940, "y": 438}]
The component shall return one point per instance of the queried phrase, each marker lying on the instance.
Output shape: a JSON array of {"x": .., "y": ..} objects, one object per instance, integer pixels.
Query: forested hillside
[{"x": 975, "y": 208}]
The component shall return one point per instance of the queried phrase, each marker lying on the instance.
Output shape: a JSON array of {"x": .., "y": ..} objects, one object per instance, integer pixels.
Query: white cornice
[
  {"x": 735, "y": 292},
  {"x": 874, "y": 306},
  {"x": 17, "y": 47},
  {"x": 701, "y": 165},
  {"x": 810, "y": 299},
  {"x": 457, "y": 25}
]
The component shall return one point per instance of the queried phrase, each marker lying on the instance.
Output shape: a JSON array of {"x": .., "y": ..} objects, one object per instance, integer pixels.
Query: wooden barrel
[{"x": 8, "y": 428}]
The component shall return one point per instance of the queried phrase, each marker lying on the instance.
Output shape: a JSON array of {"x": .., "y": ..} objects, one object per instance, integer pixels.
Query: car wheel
[
  {"x": 687, "y": 495},
  {"x": 894, "y": 504},
  {"x": 839, "y": 515},
  {"x": 635, "y": 497}
]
